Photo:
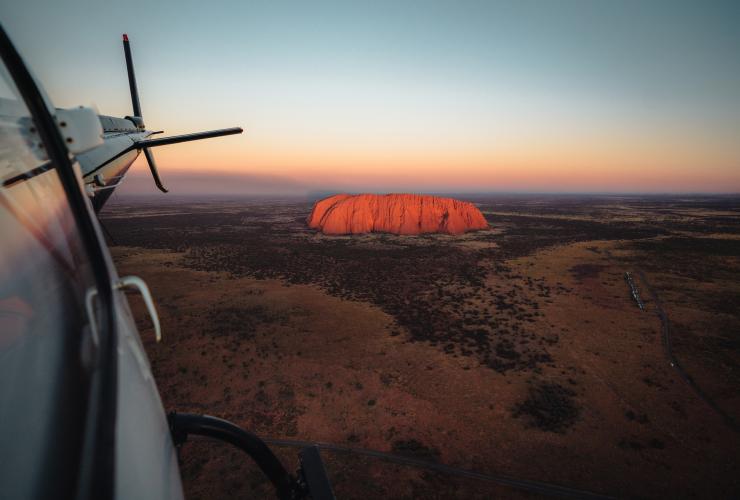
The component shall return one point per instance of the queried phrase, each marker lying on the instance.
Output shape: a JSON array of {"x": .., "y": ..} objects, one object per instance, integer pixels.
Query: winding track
[{"x": 668, "y": 349}]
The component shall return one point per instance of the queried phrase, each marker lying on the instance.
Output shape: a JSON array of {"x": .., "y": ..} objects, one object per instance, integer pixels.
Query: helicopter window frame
[{"x": 96, "y": 470}]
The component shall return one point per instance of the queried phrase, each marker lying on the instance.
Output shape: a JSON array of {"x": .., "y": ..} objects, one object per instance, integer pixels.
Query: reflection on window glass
[{"x": 44, "y": 275}]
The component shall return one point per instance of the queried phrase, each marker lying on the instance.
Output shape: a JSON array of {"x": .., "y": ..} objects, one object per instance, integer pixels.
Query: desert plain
[{"x": 517, "y": 353}]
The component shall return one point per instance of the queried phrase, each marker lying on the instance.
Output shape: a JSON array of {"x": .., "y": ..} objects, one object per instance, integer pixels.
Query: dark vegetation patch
[
  {"x": 726, "y": 302},
  {"x": 708, "y": 247},
  {"x": 728, "y": 340},
  {"x": 549, "y": 407},
  {"x": 700, "y": 259},
  {"x": 414, "y": 449},
  {"x": 636, "y": 417},
  {"x": 583, "y": 271},
  {"x": 526, "y": 234},
  {"x": 635, "y": 444},
  {"x": 241, "y": 320},
  {"x": 713, "y": 347}
]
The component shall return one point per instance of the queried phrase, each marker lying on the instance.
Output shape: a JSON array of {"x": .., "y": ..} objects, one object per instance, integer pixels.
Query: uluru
[{"x": 394, "y": 213}]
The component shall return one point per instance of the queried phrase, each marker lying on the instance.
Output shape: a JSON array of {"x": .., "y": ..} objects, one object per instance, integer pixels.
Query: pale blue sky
[{"x": 362, "y": 76}]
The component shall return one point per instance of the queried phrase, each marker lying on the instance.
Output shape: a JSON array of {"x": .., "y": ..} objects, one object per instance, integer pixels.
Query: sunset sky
[{"x": 443, "y": 96}]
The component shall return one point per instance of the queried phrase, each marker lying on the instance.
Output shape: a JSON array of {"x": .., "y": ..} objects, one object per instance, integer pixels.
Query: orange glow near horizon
[{"x": 598, "y": 165}]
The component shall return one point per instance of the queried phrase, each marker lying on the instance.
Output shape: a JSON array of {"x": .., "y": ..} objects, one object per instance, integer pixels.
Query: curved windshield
[{"x": 44, "y": 278}]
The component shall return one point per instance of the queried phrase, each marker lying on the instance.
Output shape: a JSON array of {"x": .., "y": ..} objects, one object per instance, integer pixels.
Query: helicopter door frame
[{"x": 96, "y": 474}]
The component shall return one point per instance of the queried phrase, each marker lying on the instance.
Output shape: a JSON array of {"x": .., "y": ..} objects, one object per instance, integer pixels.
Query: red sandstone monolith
[{"x": 394, "y": 213}]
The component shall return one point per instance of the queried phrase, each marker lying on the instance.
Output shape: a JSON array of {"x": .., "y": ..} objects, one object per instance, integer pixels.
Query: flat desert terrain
[{"x": 518, "y": 353}]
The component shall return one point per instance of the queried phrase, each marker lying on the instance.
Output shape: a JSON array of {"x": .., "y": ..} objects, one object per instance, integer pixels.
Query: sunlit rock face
[{"x": 394, "y": 213}]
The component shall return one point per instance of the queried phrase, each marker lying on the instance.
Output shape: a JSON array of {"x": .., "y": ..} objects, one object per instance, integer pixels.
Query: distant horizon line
[{"x": 328, "y": 192}]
